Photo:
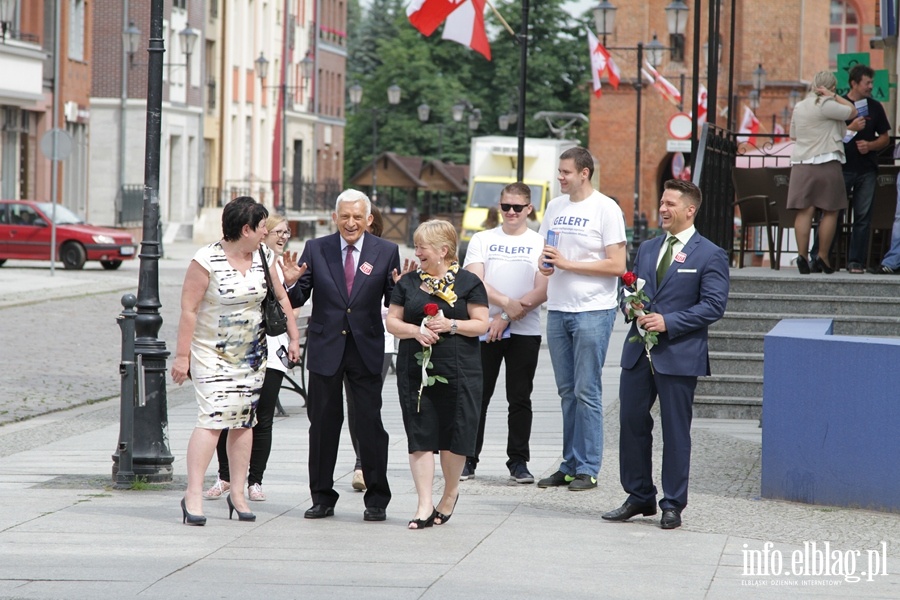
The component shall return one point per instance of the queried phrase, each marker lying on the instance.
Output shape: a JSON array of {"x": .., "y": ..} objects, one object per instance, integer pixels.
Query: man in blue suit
[
  {"x": 686, "y": 279},
  {"x": 349, "y": 275}
]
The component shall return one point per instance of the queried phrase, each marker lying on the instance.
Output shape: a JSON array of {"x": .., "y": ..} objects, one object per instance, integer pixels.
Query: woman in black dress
[{"x": 442, "y": 416}]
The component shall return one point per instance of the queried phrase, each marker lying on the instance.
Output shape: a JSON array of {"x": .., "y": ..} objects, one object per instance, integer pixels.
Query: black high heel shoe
[
  {"x": 444, "y": 518},
  {"x": 828, "y": 270},
  {"x": 189, "y": 519},
  {"x": 242, "y": 516},
  {"x": 803, "y": 265},
  {"x": 423, "y": 523}
]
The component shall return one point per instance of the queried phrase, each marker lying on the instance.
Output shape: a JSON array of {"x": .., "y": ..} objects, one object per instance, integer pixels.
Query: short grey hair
[{"x": 351, "y": 195}]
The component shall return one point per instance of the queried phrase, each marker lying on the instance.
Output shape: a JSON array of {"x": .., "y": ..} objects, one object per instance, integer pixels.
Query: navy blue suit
[
  {"x": 346, "y": 338},
  {"x": 691, "y": 296}
]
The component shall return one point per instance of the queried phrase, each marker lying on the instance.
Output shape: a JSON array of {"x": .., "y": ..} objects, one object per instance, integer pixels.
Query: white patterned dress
[{"x": 228, "y": 350}]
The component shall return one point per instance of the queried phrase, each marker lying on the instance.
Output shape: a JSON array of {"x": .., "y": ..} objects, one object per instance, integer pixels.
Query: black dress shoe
[
  {"x": 671, "y": 518},
  {"x": 628, "y": 510},
  {"x": 319, "y": 511},
  {"x": 374, "y": 514}
]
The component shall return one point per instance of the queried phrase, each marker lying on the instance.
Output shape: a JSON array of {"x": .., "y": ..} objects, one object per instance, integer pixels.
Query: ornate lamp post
[
  {"x": 151, "y": 456},
  {"x": 604, "y": 21},
  {"x": 356, "y": 93}
]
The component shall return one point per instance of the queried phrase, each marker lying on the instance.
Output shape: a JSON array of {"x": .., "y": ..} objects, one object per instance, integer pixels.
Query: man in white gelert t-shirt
[
  {"x": 583, "y": 266},
  {"x": 507, "y": 258}
]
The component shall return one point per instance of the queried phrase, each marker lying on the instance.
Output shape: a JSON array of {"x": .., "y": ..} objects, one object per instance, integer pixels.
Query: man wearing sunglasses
[{"x": 506, "y": 259}]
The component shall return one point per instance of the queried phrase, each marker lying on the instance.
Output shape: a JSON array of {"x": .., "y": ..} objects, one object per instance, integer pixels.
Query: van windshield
[{"x": 486, "y": 194}]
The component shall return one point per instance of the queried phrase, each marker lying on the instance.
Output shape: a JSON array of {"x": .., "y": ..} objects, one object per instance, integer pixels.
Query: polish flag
[
  {"x": 779, "y": 133},
  {"x": 465, "y": 25},
  {"x": 702, "y": 97},
  {"x": 427, "y": 15},
  {"x": 749, "y": 125},
  {"x": 662, "y": 85},
  {"x": 601, "y": 62}
]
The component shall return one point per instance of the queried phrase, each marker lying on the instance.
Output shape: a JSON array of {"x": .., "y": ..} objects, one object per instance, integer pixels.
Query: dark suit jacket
[
  {"x": 334, "y": 315},
  {"x": 691, "y": 296}
]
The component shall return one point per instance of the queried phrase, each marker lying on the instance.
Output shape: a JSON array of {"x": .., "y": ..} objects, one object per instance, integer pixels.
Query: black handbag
[{"x": 273, "y": 315}]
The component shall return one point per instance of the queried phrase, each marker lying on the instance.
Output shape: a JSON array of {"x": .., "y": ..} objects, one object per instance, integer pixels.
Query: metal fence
[{"x": 716, "y": 154}]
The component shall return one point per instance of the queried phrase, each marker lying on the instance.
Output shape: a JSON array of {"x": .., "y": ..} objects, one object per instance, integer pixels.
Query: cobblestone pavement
[{"x": 60, "y": 347}]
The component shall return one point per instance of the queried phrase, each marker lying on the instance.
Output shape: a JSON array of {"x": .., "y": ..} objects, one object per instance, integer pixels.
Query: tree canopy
[{"x": 384, "y": 50}]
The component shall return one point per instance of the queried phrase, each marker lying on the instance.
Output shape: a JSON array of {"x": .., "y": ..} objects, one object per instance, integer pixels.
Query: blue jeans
[
  {"x": 892, "y": 258},
  {"x": 862, "y": 185},
  {"x": 578, "y": 343}
]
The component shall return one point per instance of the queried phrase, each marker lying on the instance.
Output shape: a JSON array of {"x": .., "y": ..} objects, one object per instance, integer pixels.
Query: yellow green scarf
[{"x": 441, "y": 287}]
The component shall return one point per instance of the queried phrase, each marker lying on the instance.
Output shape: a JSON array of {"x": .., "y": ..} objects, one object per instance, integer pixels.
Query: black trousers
[
  {"x": 262, "y": 432},
  {"x": 521, "y": 355},
  {"x": 325, "y": 409},
  {"x": 351, "y": 416}
]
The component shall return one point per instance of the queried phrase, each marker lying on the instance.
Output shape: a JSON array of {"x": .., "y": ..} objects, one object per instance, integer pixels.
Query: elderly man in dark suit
[
  {"x": 349, "y": 275},
  {"x": 686, "y": 279}
]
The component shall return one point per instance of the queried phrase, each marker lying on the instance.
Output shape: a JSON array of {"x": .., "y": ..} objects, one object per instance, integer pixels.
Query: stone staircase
[{"x": 861, "y": 305}]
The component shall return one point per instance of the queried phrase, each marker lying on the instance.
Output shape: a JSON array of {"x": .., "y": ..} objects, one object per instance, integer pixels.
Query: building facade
[{"x": 790, "y": 39}]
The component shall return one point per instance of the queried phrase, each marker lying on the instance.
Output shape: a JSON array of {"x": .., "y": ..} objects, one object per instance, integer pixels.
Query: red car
[{"x": 25, "y": 234}]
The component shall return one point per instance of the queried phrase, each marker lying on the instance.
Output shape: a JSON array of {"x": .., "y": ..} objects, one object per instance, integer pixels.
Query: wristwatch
[
  {"x": 453, "y": 327},
  {"x": 504, "y": 316}
]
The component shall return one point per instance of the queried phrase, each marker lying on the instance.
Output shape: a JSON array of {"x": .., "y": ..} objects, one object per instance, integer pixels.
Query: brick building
[
  {"x": 28, "y": 61},
  {"x": 790, "y": 39}
]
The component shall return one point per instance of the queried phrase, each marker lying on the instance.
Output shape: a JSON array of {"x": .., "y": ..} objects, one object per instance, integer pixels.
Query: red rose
[
  {"x": 629, "y": 278},
  {"x": 431, "y": 309}
]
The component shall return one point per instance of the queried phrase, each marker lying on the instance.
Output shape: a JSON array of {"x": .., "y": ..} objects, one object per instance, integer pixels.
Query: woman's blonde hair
[
  {"x": 825, "y": 79},
  {"x": 437, "y": 234},
  {"x": 274, "y": 221}
]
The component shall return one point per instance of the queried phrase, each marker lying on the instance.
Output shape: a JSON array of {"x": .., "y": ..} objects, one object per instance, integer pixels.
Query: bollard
[{"x": 132, "y": 379}]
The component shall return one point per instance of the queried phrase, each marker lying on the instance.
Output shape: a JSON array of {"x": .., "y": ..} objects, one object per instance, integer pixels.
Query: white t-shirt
[
  {"x": 510, "y": 264},
  {"x": 585, "y": 229}
]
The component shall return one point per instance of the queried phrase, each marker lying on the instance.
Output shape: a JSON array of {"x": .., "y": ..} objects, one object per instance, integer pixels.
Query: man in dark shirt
[{"x": 870, "y": 133}]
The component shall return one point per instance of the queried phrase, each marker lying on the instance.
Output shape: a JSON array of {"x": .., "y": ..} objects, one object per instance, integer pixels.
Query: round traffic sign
[
  {"x": 680, "y": 126},
  {"x": 61, "y": 149}
]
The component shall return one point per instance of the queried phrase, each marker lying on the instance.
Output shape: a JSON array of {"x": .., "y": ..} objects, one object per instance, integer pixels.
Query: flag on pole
[
  {"x": 702, "y": 97},
  {"x": 749, "y": 125},
  {"x": 427, "y": 15},
  {"x": 662, "y": 85},
  {"x": 779, "y": 133},
  {"x": 465, "y": 25},
  {"x": 601, "y": 62}
]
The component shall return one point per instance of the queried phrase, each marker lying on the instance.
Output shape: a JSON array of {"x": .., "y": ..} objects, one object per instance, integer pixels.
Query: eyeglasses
[
  {"x": 285, "y": 233},
  {"x": 516, "y": 207}
]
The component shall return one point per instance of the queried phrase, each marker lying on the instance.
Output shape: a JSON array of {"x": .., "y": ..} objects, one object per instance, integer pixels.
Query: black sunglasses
[{"x": 516, "y": 207}]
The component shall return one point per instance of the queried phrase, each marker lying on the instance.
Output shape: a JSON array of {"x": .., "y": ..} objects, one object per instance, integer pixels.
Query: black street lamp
[
  {"x": 261, "y": 66},
  {"x": 151, "y": 456},
  {"x": 7, "y": 13},
  {"x": 424, "y": 113},
  {"x": 604, "y": 20},
  {"x": 356, "y": 93},
  {"x": 187, "y": 38}
]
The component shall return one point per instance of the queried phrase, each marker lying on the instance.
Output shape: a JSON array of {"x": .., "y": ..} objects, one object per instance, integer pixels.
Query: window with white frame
[
  {"x": 844, "y": 30},
  {"x": 76, "y": 29}
]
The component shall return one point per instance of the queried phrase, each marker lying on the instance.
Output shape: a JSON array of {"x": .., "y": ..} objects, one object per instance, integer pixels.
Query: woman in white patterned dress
[{"x": 222, "y": 347}]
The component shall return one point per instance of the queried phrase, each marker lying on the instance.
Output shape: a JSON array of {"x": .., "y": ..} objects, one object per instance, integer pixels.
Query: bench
[{"x": 290, "y": 383}]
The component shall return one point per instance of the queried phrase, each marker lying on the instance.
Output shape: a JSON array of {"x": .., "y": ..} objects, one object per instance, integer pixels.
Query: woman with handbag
[
  {"x": 276, "y": 366},
  {"x": 222, "y": 347}
]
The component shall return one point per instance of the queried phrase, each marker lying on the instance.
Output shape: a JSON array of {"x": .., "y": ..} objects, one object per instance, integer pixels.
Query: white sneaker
[
  {"x": 359, "y": 483},
  {"x": 217, "y": 490},
  {"x": 256, "y": 493}
]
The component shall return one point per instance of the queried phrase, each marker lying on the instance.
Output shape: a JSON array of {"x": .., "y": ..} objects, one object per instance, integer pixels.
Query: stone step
[
  {"x": 736, "y": 363},
  {"x": 727, "y": 407},
  {"x": 867, "y": 325},
  {"x": 766, "y": 281},
  {"x": 814, "y": 305},
  {"x": 736, "y": 386},
  {"x": 736, "y": 341}
]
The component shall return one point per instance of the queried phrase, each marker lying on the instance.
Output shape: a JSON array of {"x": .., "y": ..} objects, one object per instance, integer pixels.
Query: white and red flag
[
  {"x": 779, "y": 132},
  {"x": 662, "y": 85},
  {"x": 601, "y": 62},
  {"x": 466, "y": 26},
  {"x": 702, "y": 98},
  {"x": 749, "y": 125},
  {"x": 427, "y": 15}
]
